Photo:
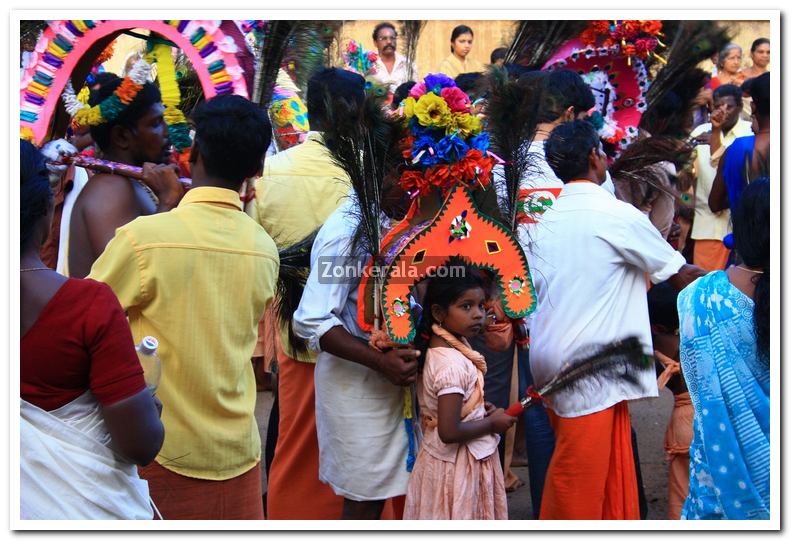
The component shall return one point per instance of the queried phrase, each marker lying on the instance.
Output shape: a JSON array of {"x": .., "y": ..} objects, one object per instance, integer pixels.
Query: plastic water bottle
[{"x": 149, "y": 360}]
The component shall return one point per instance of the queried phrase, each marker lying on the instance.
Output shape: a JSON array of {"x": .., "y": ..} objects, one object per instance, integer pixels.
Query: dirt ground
[{"x": 649, "y": 419}]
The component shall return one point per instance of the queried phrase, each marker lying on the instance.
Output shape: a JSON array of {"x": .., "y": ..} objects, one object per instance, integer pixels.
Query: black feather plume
[
  {"x": 622, "y": 360},
  {"x": 536, "y": 41},
  {"x": 512, "y": 110},
  {"x": 309, "y": 48},
  {"x": 635, "y": 164},
  {"x": 409, "y": 36},
  {"x": 363, "y": 143},
  {"x": 294, "y": 271}
]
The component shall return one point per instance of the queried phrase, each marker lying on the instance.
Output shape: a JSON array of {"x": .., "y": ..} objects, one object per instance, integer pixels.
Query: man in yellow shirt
[{"x": 198, "y": 278}]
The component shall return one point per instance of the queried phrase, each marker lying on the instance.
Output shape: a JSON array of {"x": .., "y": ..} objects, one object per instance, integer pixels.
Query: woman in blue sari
[{"x": 725, "y": 360}]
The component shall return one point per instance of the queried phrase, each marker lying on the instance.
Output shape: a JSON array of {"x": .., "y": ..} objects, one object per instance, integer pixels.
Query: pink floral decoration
[
  {"x": 457, "y": 99},
  {"x": 418, "y": 90}
]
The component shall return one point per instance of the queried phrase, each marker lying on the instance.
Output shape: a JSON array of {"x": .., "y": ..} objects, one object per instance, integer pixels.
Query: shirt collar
[
  {"x": 212, "y": 195},
  {"x": 582, "y": 187}
]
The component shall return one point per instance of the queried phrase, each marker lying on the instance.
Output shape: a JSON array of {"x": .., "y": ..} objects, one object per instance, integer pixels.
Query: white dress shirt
[
  {"x": 398, "y": 76},
  {"x": 709, "y": 225},
  {"x": 588, "y": 256}
]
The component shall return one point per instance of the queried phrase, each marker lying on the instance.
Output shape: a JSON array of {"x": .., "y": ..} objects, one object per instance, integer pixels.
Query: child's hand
[
  {"x": 489, "y": 407},
  {"x": 501, "y": 421}
]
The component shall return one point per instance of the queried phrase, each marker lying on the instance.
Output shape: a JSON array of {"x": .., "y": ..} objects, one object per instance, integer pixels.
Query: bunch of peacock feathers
[
  {"x": 269, "y": 56},
  {"x": 293, "y": 273},
  {"x": 308, "y": 49},
  {"x": 364, "y": 144}
]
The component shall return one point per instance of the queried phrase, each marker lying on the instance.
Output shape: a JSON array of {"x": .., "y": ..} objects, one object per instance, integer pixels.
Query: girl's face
[
  {"x": 733, "y": 61},
  {"x": 462, "y": 45},
  {"x": 761, "y": 55},
  {"x": 465, "y": 316}
]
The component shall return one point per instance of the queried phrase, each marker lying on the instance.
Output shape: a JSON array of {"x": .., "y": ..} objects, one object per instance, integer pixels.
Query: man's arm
[
  {"x": 106, "y": 203},
  {"x": 685, "y": 276},
  {"x": 399, "y": 366},
  {"x": 718, "y": 197}
]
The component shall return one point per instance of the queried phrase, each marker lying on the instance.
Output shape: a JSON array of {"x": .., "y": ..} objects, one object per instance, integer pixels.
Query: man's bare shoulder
[{"x": 107, "y": 190}]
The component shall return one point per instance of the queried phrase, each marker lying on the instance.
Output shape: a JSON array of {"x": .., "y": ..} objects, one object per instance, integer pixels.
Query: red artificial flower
[
  {"x": 651, "y": 27},
  {"x": 600, "y": 27},
  {"x": 439, "y": 176},
  {"x": 643, "y": 46},
  {"x": 629, "y": 50},
  {"x": 405, "y": 146},
  {"x": 589, "y": 36},
  {"x": 630, "y": 29},
  {"x": 609, "y": 42},
  {"x": 412, "y": 181}
]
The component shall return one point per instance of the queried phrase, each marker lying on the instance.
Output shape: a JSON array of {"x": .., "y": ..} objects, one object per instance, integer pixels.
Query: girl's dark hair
[
  {"x": 751, "y": 242},
  {"x": 448, "y": 284},
  {"x": 757, "y": 43},
  {"x": 458, "y": 31},
  {"x": 35, "y": 196}
]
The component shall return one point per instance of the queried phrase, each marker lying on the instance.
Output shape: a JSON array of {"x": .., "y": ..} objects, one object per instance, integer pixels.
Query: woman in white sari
[{"x": 87, "y": 418}]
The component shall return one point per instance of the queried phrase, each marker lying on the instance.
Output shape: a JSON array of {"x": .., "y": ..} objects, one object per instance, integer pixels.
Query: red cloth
[
  {"x": 592, "y": 475},
  {"x": 185, "y": 498},
  {"x": 81, "y": 340}
]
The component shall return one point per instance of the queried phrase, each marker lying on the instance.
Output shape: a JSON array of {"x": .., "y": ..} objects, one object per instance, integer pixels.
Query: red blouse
[{"x": 80, "y": 341}]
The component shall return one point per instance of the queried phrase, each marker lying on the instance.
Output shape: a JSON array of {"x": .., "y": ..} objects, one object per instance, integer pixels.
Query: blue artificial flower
[
  {"x": 422, "y": 144},
  {"x": 435, "y": 82},
  {"x": 480, "y": 142},
  {"x": 451, "y": 149},
  {"x": 420, "y": 131},
  {"x": 596, "y": 120}
]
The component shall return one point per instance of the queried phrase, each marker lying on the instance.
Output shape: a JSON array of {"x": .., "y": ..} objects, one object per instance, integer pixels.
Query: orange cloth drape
[
  {"x": 710, "y": 255},
  {"x": 678, "y": 437},
  {"x": 592, "y": 473},
  {"x": 294, "y": 491}
]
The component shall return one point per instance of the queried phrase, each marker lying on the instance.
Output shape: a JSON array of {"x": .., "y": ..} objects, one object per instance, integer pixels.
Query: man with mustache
[
  {"x": 137, "y": 136},
  {"x": 392, "y": 68}
]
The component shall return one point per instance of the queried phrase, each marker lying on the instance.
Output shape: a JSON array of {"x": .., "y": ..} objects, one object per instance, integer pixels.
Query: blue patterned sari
[{"x": 729, "y": 385}]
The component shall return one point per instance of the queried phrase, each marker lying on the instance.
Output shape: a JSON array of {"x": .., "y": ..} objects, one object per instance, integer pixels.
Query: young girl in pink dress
[{"x": 457, "y": 474}]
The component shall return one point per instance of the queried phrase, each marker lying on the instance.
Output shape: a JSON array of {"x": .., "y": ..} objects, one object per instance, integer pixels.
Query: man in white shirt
[
  {"x": 708, "y": 228},
  {"x": 363, "y": 444},
  {"x": 392, "y": 68},
  {"x": 565, "y": 97},
  {"x": 589, "y": 256}
]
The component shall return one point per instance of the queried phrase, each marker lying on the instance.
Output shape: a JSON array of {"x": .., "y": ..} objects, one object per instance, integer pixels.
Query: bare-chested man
[{"x": 138, "y": 136}]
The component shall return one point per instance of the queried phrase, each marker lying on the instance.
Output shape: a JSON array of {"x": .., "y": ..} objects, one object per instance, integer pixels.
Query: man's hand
[
  {"x": 399, "y": 366},
  {"x": 164, "y": 182},
  {"x": 675, "y": 234},
  {"x": 703, "y": 138},
  {"x": 685, "y": 276},
  {"x": 717, "y": 118}
]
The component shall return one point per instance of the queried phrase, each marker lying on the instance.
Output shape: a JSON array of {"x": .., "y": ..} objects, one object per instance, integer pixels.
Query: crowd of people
[{"x": 118, "y": 259}]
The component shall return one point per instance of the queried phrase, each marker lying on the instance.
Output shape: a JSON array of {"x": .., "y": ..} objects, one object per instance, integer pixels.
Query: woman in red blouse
[{"x": 87, "y": 418}]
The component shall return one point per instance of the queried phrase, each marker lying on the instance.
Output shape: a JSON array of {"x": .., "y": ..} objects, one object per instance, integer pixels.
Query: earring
[{"x": 440, "y": 324}]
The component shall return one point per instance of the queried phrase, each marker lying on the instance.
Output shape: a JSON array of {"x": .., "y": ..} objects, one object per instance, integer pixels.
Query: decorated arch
[{"x": 63, "y": 44}]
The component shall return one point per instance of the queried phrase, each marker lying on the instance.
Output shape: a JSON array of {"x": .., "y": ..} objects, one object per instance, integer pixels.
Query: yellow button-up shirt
[{"x": 198, "y": 279}]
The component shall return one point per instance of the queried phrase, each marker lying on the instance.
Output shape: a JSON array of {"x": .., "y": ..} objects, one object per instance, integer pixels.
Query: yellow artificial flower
[
  {"x": 89, "y": 116},
  {"x": 27, "y": 134},
  {"x": 433, "y": 111},
  {"x": 173, "y": 115},
  {"x": 409, "y": 107},
  {"x": 465, "y": 123}
]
